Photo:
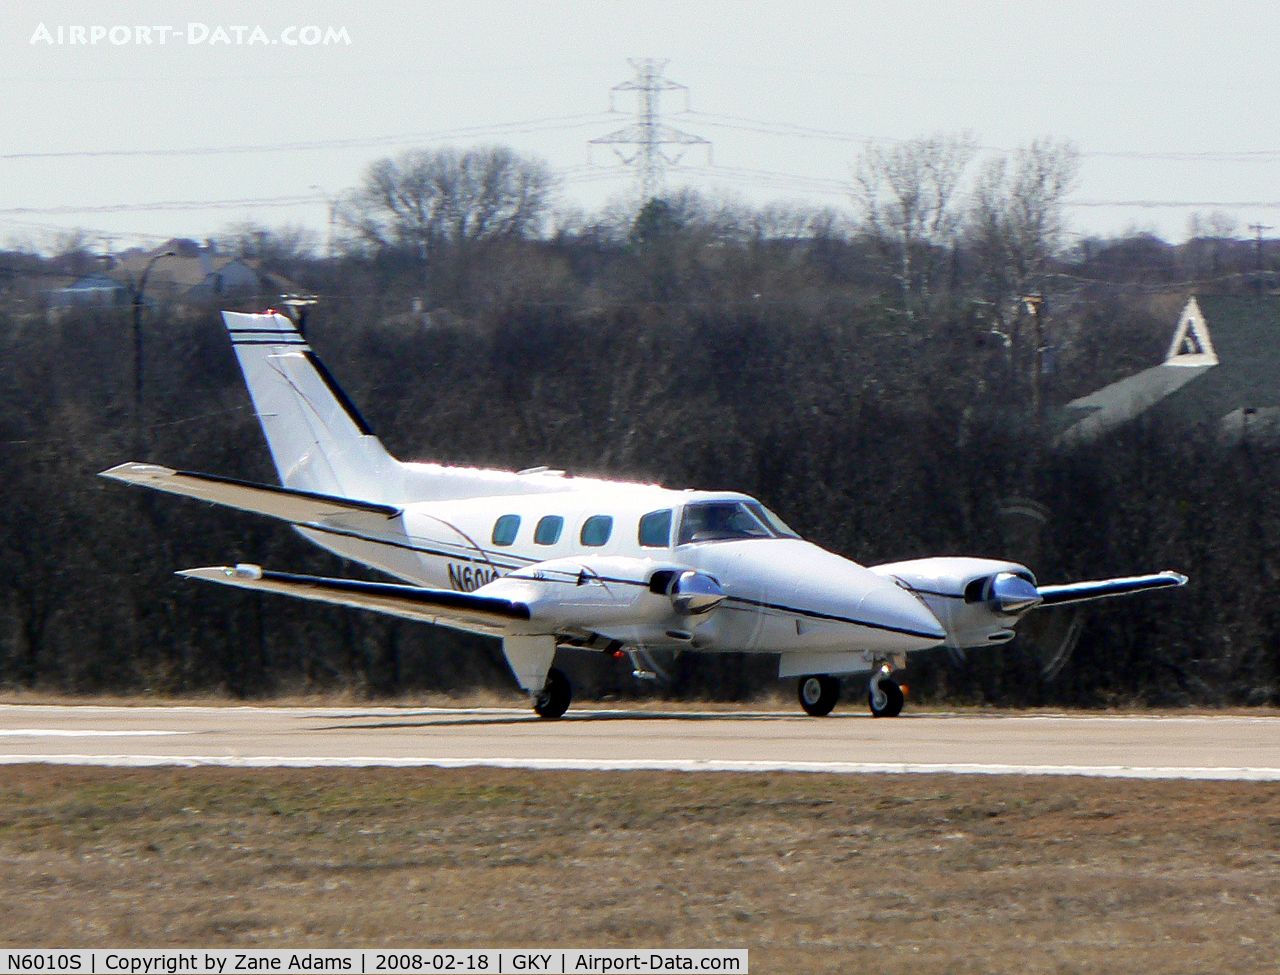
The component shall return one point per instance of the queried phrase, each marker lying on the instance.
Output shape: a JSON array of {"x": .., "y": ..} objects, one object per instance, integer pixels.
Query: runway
[{"x": 1135, "y": 746}]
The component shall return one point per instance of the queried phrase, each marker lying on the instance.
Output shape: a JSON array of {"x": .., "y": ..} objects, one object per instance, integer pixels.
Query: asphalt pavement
[{"x": 1227, "y": 746}]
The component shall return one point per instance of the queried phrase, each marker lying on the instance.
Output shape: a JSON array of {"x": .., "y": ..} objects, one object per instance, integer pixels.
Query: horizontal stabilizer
[
  {"x": 288, "y": 504},
  {"x": 459, "y": 610},
  {"x": 1079, "y": 592}
]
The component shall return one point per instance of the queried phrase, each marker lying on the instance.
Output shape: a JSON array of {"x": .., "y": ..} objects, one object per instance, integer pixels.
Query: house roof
[
  {"x": 94, "y": 282},
  {"x": 175, "y": 274},
  {"x": 1246, "y": 338},
  {"x": 1224, "y": 360},
  {"x": 189, "y": 271}
]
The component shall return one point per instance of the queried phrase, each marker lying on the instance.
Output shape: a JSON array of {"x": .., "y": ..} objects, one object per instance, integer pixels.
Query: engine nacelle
[
  {"x": 613, "y": 594},
  {"x": 692, "y": 593},
  {"x": 977, "y": 601}
]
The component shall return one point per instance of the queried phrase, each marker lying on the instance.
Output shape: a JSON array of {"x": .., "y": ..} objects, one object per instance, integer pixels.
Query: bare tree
[
  {"x": 909, "y": 201},
  {"x": 1016, "y": 227},
  {"x": 1209, "y": 239},
  {"x": 278, "y": 246},
  {"x": 1015, "y": 221},
  {"x": 427, "y": 198}
]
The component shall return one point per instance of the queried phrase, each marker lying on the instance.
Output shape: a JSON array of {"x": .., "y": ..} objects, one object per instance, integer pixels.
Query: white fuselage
[{"x": 782, "y": 594}]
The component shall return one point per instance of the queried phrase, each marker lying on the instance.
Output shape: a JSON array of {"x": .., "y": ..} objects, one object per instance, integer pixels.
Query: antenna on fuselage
[{"x": 296, "y": 306}]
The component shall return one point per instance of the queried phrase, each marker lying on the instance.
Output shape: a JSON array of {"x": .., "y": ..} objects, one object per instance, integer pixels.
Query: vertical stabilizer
[{"x": 318, "y": 439}]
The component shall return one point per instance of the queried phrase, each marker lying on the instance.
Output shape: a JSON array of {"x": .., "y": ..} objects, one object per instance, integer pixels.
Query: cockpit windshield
[{"x": 718, "y": 521}]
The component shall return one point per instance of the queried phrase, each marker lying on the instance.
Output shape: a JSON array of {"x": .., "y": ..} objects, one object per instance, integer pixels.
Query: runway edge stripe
[{"x": 1248, "y": 774}]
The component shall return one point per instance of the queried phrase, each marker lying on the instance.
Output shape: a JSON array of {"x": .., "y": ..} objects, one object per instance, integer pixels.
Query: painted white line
[
  {"x": 1250, "y": 774},
  {"x": 124, "y": 709},
  {"x": 81, "y": 733}
]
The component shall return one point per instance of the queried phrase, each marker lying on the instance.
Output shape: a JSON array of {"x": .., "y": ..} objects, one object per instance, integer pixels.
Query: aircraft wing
[
  {"x": 1079, "y": 592},
  {"x": 488, "y": 615},
  {"x": 288, "y": 504}
]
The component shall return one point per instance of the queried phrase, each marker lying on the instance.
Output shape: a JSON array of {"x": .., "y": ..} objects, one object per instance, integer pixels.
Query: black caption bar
[{"x": 361, "y": 961}]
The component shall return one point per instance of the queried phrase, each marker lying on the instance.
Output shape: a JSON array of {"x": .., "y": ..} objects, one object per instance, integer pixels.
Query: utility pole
[
  {"x": 1257, "y": 229},
  {"x": 648, "y": 133},
  {"x": 1034, "y": 304},
  {"x": 332, "y": 202}
]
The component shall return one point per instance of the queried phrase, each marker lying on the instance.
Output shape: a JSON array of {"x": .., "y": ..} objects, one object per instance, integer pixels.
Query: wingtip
[
  {"x": 240, "y": 572},
  {"x": 132, "y": 471},
  {"x": 1178, "y": 577}
]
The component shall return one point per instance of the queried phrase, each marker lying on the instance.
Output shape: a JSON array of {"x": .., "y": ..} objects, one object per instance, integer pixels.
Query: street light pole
[{"x": 139, "y": 293}]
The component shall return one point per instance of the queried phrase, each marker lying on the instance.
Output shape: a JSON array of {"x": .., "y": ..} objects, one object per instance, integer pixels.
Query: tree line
[{"x": 875, "y": 374}]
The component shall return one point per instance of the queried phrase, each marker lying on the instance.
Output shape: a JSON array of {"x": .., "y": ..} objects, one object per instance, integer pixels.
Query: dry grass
[{"x": 812, "y": 873}]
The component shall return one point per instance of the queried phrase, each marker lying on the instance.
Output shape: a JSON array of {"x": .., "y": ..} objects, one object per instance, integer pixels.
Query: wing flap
[
  {"x": 287, "y": 504},
  {"x": 489, "y": 615},
  {"x": 1079, "y": 592}
]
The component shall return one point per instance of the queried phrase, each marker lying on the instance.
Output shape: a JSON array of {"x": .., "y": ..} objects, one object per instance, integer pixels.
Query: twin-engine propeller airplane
[{"x": 545, "y": 561}]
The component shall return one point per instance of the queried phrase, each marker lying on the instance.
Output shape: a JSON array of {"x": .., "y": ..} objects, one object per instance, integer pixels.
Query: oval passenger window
[
  {"x": 548, "y": 530},
  {"x": 596, "y": 530},
  {"x": 505, "y": 529}
]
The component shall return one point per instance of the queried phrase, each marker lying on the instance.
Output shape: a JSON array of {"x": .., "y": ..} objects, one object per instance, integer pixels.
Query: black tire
[
  {"x": 892, "y": 706},
  {"x": 818, "y": 694},
  {"x": 555, "y": 696}
]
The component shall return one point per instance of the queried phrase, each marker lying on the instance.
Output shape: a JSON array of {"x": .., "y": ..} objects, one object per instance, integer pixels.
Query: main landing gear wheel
[
  {"x": 885, "y": 696},
  {"x": 553, "y": 700},
  {"x": 818, "y": 694}
]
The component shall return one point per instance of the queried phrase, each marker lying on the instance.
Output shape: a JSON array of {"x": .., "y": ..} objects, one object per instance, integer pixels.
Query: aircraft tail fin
[{"x": 318, "y": 439}]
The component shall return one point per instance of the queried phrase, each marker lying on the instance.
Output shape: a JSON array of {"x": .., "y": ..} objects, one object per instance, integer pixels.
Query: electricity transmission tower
[
  {"x": 648, "y": 133},
  {"x": 1258, "y": 228}
]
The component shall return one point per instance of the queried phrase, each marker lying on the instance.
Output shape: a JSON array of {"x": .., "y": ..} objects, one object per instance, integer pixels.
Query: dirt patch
[{"x": 811, "y": 872}]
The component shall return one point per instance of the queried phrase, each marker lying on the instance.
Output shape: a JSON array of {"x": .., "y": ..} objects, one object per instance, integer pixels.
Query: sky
[{"x": 135, "y": 142}]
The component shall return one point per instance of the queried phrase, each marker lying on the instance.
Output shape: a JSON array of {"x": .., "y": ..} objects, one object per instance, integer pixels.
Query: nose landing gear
[{"x": 884, "y": 695}]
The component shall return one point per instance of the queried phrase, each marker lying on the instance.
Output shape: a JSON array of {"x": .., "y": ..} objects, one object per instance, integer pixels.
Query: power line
[
  {"x": 1249, "y": 155},
  {"x": 581, "y": 120},
  {"x": 728, "y": 174},
  {"x": 180, "y": 205},
  {"x": 788, "y": 129},
  {"x": 744, "y": 124},
  {"x": 1178, "y": 204},
  {"x": 54, "y": 228},
  {"x": 587, "y": 119},
  {"x": 590, "y": 174}
]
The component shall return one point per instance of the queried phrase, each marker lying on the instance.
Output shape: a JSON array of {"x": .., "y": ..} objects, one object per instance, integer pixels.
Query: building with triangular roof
[
  {"x": 185, "y": 273},
  {"x": 1223, "y": 366}
]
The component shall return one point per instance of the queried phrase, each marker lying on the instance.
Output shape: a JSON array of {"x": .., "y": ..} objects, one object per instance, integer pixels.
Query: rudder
[{"x": 318, "y": 439}]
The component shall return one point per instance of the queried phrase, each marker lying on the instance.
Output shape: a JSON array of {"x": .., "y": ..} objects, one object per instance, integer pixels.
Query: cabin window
[
  {"x": 655, "y": 529},
  {"x": 780, "y": 527},
  {"x": 548, "y": 530},
  {"x": 505, "y": 528},
  {"x": 596, "y": 530},
  {"x": 717, "y": 521}
]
